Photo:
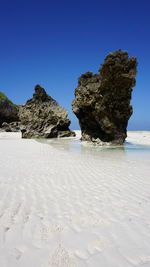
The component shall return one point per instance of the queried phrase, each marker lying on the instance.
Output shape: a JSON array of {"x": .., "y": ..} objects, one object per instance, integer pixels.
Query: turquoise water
[
  {"x": 75, "y": 145},
  {"x": 136, "y": 147}
]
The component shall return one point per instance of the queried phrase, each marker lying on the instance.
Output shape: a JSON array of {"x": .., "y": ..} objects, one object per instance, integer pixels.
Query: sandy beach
[{"x": 64, "y": 204}]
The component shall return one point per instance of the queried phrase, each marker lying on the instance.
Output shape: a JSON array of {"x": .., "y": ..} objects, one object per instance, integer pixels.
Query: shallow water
[{"x": 76, "y": 145}]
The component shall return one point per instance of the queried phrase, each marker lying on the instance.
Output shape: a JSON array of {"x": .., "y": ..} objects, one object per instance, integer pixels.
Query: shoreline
[{"x": 133, "y": 137}]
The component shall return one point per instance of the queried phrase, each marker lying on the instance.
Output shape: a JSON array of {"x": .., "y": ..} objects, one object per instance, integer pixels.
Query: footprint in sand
[
  {"x": 46, "y": 233},
  {"x": 61, "y": 258},
  {"x": 26, "y": 218},
  {"x": 6, "y": 229},
  {"x": 98, "y": 245},
  {"x": 17, "y": 253},
  {"x": 14, "y": 214},
  {"x": 81, "y": 255}
]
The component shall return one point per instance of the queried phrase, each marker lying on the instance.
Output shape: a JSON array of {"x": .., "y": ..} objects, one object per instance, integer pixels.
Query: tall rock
[
  {"x": 41, "y": 116},
  {"x": 102, "y": 100}
]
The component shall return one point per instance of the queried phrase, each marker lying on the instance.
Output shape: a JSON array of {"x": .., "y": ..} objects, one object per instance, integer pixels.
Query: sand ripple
[{"x": 66, "y": 207}]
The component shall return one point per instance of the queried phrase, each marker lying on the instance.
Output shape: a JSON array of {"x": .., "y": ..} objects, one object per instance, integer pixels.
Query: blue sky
[{"x": 52, "y": 43}]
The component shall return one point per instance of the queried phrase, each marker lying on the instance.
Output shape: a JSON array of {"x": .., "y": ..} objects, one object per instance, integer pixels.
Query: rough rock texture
[
  {"x": 10, "y": 127},
  {"x": 102, "y": 101},
  {"x": 8, "y": 111},
  {"x": 41, "y": 116}
]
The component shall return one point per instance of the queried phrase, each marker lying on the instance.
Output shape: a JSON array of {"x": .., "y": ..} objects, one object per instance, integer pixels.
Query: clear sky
[{"x": 52, "y": 43}]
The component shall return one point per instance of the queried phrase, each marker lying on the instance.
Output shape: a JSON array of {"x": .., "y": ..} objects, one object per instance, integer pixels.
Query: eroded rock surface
[
  {"x": 41, "y": 116},
  {"x": 102, "y": 100},
  {"x": 10, "y": 127},
  {"x": 8, "y": 111}
]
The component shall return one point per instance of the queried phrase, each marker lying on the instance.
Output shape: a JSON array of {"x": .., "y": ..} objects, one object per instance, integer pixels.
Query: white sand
[{"x": 66, "y": 205}]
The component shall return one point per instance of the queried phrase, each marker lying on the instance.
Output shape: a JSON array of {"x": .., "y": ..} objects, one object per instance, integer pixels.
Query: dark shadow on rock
[{"x": 102, "y": 100}]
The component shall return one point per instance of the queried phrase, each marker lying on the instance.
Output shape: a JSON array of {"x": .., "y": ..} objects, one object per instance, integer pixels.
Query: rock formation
[
  {"x": 41, "y": 116},
  {"x": 8, "y": 111},
  {"x": 102, "y": 100},
  {"x": 10, "y": 127}
]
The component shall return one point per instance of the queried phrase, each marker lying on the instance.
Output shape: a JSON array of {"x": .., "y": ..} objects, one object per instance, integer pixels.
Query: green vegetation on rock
[{"x": 3, "y": 96}]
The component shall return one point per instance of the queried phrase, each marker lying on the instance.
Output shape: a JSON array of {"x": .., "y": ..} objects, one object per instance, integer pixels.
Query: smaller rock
[
  {"x": 8, "y": 111},
  {"x": 42, "y": 116}
]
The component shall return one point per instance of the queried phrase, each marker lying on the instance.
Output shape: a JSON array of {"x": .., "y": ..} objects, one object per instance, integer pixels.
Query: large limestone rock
[
  {"x": 8, "y": 111},
  {"x": 41, "y": 116},
  {"x": 102, "y": 100}
]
